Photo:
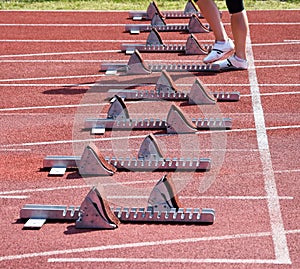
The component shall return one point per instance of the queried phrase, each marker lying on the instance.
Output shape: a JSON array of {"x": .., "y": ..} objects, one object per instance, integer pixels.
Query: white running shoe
[
  {"x": 218, "y": 51},
  {"x": 232, "y": 63}
]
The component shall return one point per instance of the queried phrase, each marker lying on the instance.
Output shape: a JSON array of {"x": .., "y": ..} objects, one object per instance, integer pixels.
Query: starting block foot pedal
[
  {"x": 163, "y": 197},
  {"x": 95, "y": 213}
]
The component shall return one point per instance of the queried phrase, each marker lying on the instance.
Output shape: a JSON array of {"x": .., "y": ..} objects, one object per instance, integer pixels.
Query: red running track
[{"x": 49, "y": 64}]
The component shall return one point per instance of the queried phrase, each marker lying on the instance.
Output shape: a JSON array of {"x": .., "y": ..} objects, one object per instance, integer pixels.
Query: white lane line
[
  {"x": 60, "y": 24},
  {"x": 287, "y": 171},
  {"x": 55, "y": 61},
  {"x": 145, "y": 244},
  {"x": 13, "y": 197},
  {"x": 276, "y": 44},
  {"x": 278, "y": 233},
  {"x": 43, "y": 189},
  {"x": 164, "y": 260},
  {"x": 134, "y": 245},
  {"x": 231, "y": 197},
  {"x": 277, "y": 66},
  {"x": 10, "y": 193},
  {"x": 50, "y": 78},
  {"x": 132, "y": 137},
  {"x": 14, "y": 150},
  {"x": 48, "y": 107},
  {"x": 116, "y": 51},
  {"x": 272, "y": 94},
  {"x": 128, "y": 85},
  {"x": 283, "y": 127},
  {"x": 113, "y": 25},
  {"x": 51, "y": 54},
  {"x": 45, "y": 85},
  {"x": 121, "y": 84}
]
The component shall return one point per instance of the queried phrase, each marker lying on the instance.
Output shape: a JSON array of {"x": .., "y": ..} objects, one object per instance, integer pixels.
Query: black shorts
[{"x": 234, "y": 6}]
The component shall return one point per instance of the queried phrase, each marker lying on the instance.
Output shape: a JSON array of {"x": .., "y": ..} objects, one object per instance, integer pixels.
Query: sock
[
  {"x": 239, "y": 59},
  {"x": 220, "y": 42}
]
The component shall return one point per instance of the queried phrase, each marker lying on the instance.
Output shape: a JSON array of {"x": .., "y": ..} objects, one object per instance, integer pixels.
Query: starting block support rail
[
  {"x": 166, "y": 89},
  {"x": 154, "y": 43},
  {"x": 95, "y": 212},
  {"x": 116, "y": 121},
  {"x": 137, "y": 66},
  {"x": 158, "y": 22}
]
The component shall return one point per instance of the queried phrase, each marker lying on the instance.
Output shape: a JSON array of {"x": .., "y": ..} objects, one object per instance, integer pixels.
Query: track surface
[{"x": 49, "y": 64}]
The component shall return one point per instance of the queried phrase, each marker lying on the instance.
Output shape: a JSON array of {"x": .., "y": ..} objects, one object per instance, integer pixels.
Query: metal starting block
[
  {"x": 166, "y": 89},
  {"x": 150, "y": 158},
  {"x": 95, "y": 212},
  {"x": 190, "y": 8},
  {"x": 158, "y": 22},
  {"x": 137, "y": 66},
  {"x": 176, "y": 123},
  {"x": 154, "y": 43}
]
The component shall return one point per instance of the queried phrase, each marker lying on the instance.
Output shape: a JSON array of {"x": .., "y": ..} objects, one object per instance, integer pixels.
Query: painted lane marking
[
  {"x": 136, "y": 137},
  {"x": 134, "y": 245},
  {"x": 113, "y": 25},
  {"x": 278, "y": 234},
  {"x": 231, "y": 197},
  {"x": 13, "y": 197},
  {"x": 164, "y": 260},
  {"x": 141, "y": 244}
]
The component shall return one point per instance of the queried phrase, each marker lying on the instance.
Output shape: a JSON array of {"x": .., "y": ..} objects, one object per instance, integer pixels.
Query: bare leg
[
  {"x": 239, "y": 27},
  {"x": 211, "y": 13}
]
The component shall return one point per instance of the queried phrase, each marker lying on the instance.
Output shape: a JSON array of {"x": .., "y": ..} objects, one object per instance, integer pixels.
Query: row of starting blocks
[
  {"x": 189, "y": 10},
  {"x": 95, "y": 213},
  {"x": 163, "y": 204},
  {"x": 150, "y": 158},
  {"x": 154, "y": 42}
]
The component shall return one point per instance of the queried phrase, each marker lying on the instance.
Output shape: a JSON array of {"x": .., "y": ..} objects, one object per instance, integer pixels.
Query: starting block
[
  {"x": 95, "y": 212},
  {"x": 190, "y": 8},
  {"x": 176, "y": 123},
  {"x": 154, "y": 43},
  {"x": 194, "y": 26},
  {"x": 150, "y": 158},
  {"x": 166, "y": 89},
  {"x": 137, "y": 66}
]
